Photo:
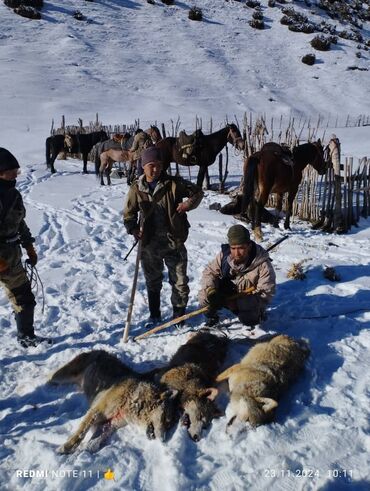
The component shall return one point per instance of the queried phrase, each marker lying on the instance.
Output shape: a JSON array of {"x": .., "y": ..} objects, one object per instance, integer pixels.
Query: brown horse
[
  {"x": 273, "y": 170},
  {"x": 107, "y": 158},
  {"x": 200, "y": 149}
]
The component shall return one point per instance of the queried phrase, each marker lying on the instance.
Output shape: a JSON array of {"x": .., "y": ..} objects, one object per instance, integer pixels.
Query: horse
[
  {"x": 200, "y": 150},
  {"x": 273, "y": 170},
  {"x": 117, "y": 142},
  {"x": 85, "y": 142},
  {"x": 107, "y": 158},
  {"x": 54, "y": 145},
  {"x": 154, "y": 134}
]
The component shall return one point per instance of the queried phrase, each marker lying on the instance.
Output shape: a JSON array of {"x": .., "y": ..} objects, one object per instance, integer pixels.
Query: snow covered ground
[{"x": 135, "y": 60}]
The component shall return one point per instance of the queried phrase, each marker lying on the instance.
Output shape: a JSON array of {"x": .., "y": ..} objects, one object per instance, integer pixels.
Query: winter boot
[
  {"x": 178, "y": 312},
  {"x": 154, "y": 300},
  {"x": 26, "y": 334},
  {"x": 212, "y": 318}
]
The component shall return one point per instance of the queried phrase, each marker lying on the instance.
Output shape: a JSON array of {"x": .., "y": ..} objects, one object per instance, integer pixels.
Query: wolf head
[
  {"x": 254, "y": 410},
  {"x": 199, "y": 412},
  {"x": 162, "y": 415}
]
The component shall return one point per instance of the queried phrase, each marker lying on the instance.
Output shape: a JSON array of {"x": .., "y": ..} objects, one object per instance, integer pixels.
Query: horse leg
[
  {"x": 291, "y": 197},
  {"x": 52, "y": 160},
  {"x": 279, "y": 207},
  {"x": 260, "y": 205},
  {"x": 201, "y": 174},
  {"x": 208, "y": 182},
  {"x": 101, "y": 173},
  {"x": 256, "y": 224},
  {"x": 107, "y": 172},
  {"x": 84, "y": 156}
]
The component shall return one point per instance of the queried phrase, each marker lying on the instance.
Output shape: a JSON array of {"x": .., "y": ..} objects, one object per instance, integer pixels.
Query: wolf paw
[{"x": 65, "y": 449}]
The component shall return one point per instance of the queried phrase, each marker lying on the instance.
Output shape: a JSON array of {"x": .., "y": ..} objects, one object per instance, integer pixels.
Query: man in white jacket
[{"x": 240, "y": 265}]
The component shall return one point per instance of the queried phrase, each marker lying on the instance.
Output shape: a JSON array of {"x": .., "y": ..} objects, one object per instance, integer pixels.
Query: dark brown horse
[
  {"x": 200, "y": 150},
  {"x": 85, "y": 142},
  {"x": 273, "y": 170}
]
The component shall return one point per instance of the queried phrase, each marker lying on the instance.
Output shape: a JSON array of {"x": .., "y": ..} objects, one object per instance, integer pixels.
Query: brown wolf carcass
[
  {"x": 192, "y": 371},
  {"x": 259, "y": 379}
]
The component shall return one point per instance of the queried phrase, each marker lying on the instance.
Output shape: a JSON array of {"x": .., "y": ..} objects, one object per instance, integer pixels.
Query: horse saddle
[
  {"x": 188, "y": 144},
  {"x": 286, "y": 155}
]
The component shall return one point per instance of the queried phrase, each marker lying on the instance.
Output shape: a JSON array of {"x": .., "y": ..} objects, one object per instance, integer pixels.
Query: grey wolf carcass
[{"x": 260, "y": 378}]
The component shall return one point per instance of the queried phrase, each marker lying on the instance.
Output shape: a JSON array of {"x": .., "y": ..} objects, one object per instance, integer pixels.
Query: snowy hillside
[{"x": 131, "y": 60}]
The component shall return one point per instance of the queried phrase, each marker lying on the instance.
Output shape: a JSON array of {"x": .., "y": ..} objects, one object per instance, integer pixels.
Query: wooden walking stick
[
  {"x": 190, "y": 314},
  {"x": 133, "y": 291}
]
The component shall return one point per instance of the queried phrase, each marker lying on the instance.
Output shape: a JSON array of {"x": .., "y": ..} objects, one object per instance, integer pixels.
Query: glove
[
  {"x": 32, "y": 255},
  {"x": 214, "y": 298},
  {"x": 4, "y": 266}
]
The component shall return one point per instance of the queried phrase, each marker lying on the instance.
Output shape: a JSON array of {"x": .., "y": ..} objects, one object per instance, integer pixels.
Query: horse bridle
[{"x": 234, "y": 140}]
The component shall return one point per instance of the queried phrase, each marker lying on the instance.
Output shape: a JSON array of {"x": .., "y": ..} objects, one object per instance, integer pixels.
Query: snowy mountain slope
[{"x": 135, "y": 60}]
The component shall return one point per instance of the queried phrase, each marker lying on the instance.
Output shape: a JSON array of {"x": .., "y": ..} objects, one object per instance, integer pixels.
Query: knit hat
[
  {"x": 238, "y": 235},
  {"x": 151, "y": 154},
  {"x": 7, "y": 160}
]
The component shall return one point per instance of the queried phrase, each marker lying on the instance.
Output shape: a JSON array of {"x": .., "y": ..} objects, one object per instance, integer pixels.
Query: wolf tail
[{"x": 226, "y": 374}]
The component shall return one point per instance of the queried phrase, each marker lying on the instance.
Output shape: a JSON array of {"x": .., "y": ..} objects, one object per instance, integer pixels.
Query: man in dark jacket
[
  {"x": 13, "y": 234},
  {"x": 159, "y": 198}
]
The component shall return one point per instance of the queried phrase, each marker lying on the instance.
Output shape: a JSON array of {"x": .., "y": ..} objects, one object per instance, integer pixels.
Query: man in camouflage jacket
[
  {"x": 13, "y": 234},
  {"x": 164, "y": 230}
]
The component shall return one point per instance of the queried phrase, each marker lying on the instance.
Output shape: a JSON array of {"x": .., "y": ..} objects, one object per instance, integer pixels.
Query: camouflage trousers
[
  {"x": 162, "y": 251},
  {"x": 15, "y": 282}
]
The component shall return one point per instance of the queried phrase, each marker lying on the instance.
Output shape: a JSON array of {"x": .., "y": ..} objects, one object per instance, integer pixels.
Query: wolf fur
[
  {"x": 132, "y": 401},
  {"x": 191, "y": 372},
  {"x": 117, "y": 396},
  {"x": 93, "y": 372},
  {"x": 259, "y": 379}
]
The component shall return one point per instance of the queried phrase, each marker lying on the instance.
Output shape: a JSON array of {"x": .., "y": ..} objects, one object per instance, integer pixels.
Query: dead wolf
[
  {"x": 259, "y": 379},
  {"x": 192, "y": 371},
  {"x": 93, "y": 372},
  {"x": 118, "y": 396}
]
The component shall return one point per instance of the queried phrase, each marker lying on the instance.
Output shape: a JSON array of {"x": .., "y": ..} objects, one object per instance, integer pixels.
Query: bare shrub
[
  {"x": 26, "y": 3},
  {"x": 257, "y": 15},
  {"x": 28, "y": 12},
  {"x": 321, "y": 43},
  {"x": 13, "y": 3},
  {"x": 78, "y": 15},
  {"x": 252, "y": 4},
  {"x": 257, "y": 24},
  {"x": 305, "y": 27},
  {"x": 195, "y": 14},
  {"x": 286, "y": 20},
  {"x": 309, "y": 59}
]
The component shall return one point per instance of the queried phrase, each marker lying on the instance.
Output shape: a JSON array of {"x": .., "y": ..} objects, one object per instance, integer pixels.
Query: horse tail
[
  {"x": 97, "y": 159},
  {"x": 47, "y": 149},
  {"x": 249, "y": 181}
]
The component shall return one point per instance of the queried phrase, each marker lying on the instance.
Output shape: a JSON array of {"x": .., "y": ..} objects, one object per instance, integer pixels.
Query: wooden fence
[{"x": 333, "y": 202}]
